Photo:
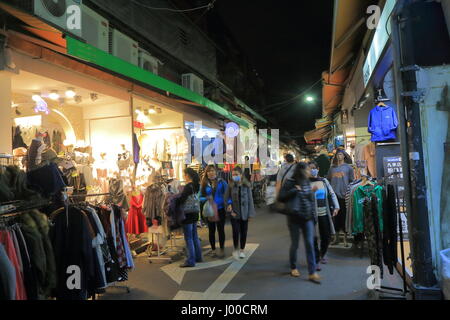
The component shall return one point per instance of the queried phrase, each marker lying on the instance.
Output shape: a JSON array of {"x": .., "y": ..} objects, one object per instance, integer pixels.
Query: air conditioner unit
[
  {"x": 95, "y": 29},
  {"x": 192, "y": 82},
  {"x": 55, "y": 12},
  {"x": 148, "y": 62},
  {"x": 123, "y": 47}
]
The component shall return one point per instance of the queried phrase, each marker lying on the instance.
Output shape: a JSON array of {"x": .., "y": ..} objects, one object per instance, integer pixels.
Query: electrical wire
[
  {"x": 205, "y": 12},
  {"x": 208, "y": 6},
  {"x": 293, "y": 98}
]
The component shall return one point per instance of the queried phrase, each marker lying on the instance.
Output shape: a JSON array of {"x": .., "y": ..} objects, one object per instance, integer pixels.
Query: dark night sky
[{"x": 289, "y": 44}]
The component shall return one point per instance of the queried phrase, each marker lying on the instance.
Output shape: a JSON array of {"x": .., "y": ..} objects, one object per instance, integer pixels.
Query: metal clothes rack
[
  {"x": 71, "y": 197},
  {"x": 19, "y": 206},
  {"x": 402, "y": 292}
]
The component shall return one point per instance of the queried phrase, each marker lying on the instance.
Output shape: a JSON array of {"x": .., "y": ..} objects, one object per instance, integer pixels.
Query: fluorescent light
[
  {"x": 54, "y": 95},
  {"x": 70, "y": 93}
]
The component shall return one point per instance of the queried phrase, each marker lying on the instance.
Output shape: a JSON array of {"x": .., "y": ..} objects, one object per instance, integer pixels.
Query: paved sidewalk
[{"x": 264, "y": 274}]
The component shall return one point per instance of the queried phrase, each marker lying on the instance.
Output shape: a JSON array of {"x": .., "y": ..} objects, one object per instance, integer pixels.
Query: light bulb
[
  {"x": 36, "y": 97},
  {"x": 152, "y": 110},
  {"x": 54, "y": 95},
  {"x": 70, "y": 93}
]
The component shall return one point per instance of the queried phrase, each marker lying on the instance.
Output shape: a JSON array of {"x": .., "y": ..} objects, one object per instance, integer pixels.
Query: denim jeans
[
  {"x": 308, "y": 230},
  {"x": 192, "y": 244}
]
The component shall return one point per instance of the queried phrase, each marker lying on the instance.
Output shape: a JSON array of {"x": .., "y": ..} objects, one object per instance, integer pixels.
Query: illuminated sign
[
  {"x": 231, "y": 130},
  {"x": 379, "y": 41}
]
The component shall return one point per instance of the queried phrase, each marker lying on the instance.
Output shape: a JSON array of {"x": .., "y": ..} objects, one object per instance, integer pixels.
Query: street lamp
[{"x": 309, "y": 99}]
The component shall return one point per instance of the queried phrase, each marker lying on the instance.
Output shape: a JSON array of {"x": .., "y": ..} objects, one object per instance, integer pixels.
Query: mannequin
[{"x": 101, "y": 167}]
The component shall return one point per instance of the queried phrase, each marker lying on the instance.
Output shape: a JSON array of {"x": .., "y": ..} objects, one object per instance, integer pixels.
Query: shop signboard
[
  {"x": 393, "y": 172},
  {"x": 380, "y": 39}
]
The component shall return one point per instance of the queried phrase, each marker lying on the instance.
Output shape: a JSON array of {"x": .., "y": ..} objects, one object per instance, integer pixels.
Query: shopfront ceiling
[{"x": 26, "y": 84}]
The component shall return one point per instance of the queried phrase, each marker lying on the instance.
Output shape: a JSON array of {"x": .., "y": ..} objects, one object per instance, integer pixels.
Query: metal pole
[{"x": 412, "y": 153}]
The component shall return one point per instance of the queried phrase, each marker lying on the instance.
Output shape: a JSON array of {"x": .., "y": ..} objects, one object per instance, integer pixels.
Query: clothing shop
[
  {"x": 80, "y": 137},
  {"x": 369, "y": 120}
]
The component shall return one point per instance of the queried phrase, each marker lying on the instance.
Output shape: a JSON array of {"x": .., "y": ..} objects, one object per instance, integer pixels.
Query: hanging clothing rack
[
  {"x": 126, "y": 288},
  {"x": 399, "y": 291},
  {"x": 27, "y": 206}
]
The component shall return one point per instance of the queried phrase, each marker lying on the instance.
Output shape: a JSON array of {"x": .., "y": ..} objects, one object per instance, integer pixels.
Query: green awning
[
  {"x": 250, "y": 110},
  {"x": 94, "y": 55}
]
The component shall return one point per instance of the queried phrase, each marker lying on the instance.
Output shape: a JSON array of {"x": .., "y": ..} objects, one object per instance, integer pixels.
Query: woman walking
[
  {"x": 190, "y": 203},
  {"x": 242, "y": 208},
  {"x": 214, "y": 188},
  {"x": 299, "y": 196},
  {"x": 327, "y": 207}
]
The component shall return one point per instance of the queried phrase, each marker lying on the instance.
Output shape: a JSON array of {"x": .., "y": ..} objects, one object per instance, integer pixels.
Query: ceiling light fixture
[
  {"x": 152, "y": 110},
  {"x": 70, "y": 93},
  {"x": 54, "y": 95},
  {"x": 94, "y": 97},
  {"x": 36, "y": 97},
  {"x": 78, "y": 99}
]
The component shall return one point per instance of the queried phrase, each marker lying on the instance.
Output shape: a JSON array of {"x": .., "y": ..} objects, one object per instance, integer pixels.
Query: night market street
[{"x": 264, "y": 277}]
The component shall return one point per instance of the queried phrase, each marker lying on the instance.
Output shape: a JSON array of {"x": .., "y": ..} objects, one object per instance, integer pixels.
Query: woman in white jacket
[{"x": 327, "y": 206}]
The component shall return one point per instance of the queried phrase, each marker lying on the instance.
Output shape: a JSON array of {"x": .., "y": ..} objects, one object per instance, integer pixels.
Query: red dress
[{"x": 136, "y": 222}]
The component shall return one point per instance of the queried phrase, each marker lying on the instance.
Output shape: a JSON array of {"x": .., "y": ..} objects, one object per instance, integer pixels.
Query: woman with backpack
[
  {"x": 213, "y": 189},
  {"x": 239, "y": 193},
  {"x": 190, "y": 204},
  {"x": 300, "y": 199}
]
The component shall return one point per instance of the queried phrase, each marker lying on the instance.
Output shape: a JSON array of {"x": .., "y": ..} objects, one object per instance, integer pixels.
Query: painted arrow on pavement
[
  {"x": 177, "y": 274},
  {"x": 214, "y": 292}
]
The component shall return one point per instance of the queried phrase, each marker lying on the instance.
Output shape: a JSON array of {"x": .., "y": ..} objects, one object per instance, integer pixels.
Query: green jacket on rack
[{"x": 359, "y": 196}]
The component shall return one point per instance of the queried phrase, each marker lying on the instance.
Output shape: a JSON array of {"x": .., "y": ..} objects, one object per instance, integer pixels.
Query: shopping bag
[{"x": 208, "y": 210}]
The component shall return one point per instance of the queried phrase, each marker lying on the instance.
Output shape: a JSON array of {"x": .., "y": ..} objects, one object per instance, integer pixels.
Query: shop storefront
[{"x": 114, "y": 147}]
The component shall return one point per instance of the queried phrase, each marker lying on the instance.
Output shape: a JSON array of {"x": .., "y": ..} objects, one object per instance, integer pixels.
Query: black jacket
[
  {"x": 72, "y": 243},
  {"x": 300, "y": 203}
]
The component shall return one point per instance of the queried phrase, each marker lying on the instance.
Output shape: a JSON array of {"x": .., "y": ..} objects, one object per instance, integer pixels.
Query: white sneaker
[
  {"x": 236, "y": 254},
  {"x": 242, "y": 255}
]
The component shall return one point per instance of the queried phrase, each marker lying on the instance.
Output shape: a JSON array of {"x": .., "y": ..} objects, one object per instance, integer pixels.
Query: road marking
[
  {"x": 177, "y": 274},
  {"x": 214, "y": 292}
]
